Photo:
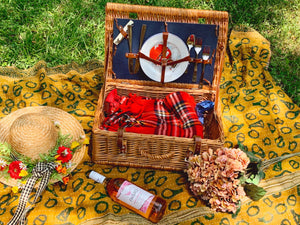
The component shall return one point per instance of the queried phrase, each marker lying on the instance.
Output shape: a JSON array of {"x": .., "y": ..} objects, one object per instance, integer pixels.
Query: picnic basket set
[{"x": 152, "y": 55}]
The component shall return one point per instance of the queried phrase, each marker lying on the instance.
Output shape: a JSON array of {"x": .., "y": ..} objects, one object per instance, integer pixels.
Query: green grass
[{"x": 62, "y": 31}]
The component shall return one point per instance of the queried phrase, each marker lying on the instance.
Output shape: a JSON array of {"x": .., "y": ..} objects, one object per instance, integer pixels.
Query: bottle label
[{"x": 135, "y": 196}]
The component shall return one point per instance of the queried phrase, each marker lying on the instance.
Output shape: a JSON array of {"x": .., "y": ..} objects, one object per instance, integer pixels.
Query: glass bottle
[{"x": 135, "y": 198}]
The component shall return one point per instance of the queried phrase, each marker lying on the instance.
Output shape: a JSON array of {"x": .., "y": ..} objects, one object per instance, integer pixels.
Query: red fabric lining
[{"x": 175, "y": 115}]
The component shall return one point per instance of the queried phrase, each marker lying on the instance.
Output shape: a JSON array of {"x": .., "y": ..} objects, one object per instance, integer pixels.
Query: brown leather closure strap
[
  {"x": 196, "y": 60},
  {"x": 156, "y": 62},
  {"x": 187, "y": 58},
  {"x": 143, "y": 56},
  {"x": 131, "y": 55},
  {"x": 164, "y": 54},
  {"x": 192, "y": 60},
  {"x": 120, "y": 28},
  {"x": 122, "y": 31},
  {"x": 197, "y": 145},
  {"x": 121, "y": 143},
  {"x": 196, "y": 149}
]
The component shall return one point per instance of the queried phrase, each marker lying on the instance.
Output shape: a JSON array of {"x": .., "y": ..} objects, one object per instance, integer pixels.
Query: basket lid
[
  {"x": 179, "y": 24},
  {"x": 146, "y": 37}
]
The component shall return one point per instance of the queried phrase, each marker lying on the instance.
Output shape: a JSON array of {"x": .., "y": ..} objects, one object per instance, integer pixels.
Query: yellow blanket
[{"x": 256, "y": 112}]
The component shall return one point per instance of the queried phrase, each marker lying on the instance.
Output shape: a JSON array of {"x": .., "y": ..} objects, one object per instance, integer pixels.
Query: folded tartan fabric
[{"x": 174, "y": 115}]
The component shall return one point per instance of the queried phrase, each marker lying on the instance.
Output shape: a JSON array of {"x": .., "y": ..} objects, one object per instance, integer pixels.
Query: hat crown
[{"x": 33, "y": 134}]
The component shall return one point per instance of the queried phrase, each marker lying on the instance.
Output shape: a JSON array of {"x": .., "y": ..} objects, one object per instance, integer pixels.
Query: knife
[
  {"x": 142, "y": 36},
  {"x": 130, "y": 60}
]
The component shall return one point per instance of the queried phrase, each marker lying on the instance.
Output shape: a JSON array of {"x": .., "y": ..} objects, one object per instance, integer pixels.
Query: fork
[
  {"x": 190, "y": 41},
  {"x": 205, "y": 57},
  {"x": 198, "y": 47}
]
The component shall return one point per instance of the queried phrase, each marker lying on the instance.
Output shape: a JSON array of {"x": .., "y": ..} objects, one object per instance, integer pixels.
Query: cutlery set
[
  {"x": 198, "y": 48},
  {"x": 196, "y": 43},
  {"x": 168, "y": 54}
]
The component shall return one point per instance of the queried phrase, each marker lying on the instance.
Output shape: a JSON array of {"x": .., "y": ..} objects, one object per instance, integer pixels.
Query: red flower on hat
[
  {"x": 65, "y": 154},
  {"x": 3, "y": 165},
  {"x": 66, "y": 180},
  {"x": 14, "y": 169},
  {"x": 61, "y": 169}
]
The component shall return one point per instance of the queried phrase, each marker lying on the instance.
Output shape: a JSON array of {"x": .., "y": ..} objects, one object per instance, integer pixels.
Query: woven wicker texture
[{"x": 157, "y": 151}]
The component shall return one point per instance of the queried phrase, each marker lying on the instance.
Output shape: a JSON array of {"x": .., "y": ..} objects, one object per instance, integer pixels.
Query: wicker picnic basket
[{"x": 157, "y": 151}]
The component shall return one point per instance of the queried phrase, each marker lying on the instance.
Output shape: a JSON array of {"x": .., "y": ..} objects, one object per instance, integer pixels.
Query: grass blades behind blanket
[{"x": 60, "y": 32}]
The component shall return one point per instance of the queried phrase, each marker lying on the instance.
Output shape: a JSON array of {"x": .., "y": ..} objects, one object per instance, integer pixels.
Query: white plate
[{"x": 178, "y": 50}]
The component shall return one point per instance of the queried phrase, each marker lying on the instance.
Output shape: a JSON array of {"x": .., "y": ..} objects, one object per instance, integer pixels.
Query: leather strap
[
  {"x": 121, "y": 143},
  {"x": 164, "y": 60},
  {"x": 122, "y": 31},
  {"x": 171, "y": 63},
  {"x": 194, "y": 150},
  {"x": 197, "y": 145},
  {"x": 143, "y": 56},
  {"x": 131, "y": 55}
]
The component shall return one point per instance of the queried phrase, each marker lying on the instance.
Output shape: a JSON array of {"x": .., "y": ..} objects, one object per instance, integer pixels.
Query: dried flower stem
[{"x": 265, "y": 164}]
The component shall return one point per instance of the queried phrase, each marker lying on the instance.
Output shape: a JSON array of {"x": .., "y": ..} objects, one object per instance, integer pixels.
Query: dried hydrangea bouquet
[{"x": 224, "y": 176}]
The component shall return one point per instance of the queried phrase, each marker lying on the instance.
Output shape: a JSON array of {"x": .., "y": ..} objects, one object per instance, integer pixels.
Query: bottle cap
[{"x": 97, "y": 177}]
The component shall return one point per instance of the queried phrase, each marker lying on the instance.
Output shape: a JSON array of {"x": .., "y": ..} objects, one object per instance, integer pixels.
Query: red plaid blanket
[{"x": 175, "y": 115}]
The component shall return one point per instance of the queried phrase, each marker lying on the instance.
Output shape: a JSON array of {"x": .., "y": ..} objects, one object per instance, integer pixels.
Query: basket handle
[{"x": 154, "y": 156}]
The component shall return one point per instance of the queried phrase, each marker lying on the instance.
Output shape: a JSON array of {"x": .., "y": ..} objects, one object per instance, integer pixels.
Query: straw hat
[{"x": 32, "y": 131}]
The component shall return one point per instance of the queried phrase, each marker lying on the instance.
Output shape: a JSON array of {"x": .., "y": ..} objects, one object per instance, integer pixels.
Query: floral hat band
[{"x": 38, "y": 145}]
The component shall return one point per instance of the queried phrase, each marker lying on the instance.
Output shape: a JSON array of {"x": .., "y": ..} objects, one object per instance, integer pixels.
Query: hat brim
[{"x": 68, "y": 125}]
